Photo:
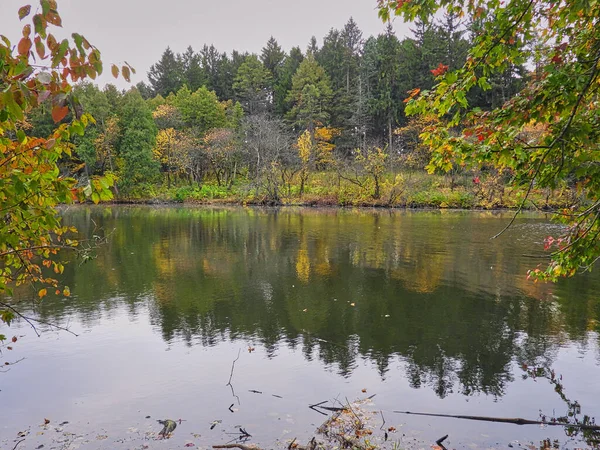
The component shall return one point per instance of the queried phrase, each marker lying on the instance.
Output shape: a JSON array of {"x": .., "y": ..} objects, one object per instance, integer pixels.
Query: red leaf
[
  {"x": 441, "y": 69},
  {"x": 59, "y": 113},
  {"x": 53, "y": 18},
  {"x": 24, "y": 46},
  {"x": 14, "y": 339}
]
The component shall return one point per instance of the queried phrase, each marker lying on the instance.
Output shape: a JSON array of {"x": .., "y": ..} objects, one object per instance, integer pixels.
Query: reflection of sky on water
[{"x": 419, "y": 308}]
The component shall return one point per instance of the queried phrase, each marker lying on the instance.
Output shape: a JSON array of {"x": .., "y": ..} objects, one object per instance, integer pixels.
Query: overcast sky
[{"x": 138, "y": 31}]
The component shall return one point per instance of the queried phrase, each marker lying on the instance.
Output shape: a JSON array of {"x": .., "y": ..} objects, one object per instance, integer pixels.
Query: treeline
[{"x": 272, "y": 119}]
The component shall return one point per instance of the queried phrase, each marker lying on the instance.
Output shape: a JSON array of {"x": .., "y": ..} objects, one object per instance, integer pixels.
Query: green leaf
[
  {"x": 60, "y": 54},
  {"x": 21, "y": 136}
]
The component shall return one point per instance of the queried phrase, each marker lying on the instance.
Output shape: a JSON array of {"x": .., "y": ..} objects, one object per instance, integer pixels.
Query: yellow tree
[
  {"x": 306, "y": 150},
  {"x": 172, "y": 150}
]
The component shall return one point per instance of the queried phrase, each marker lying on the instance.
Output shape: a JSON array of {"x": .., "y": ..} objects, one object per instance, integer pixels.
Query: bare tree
[{"x": 270, "y": 155}]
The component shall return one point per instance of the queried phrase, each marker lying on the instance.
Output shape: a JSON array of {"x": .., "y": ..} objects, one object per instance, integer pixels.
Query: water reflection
[{"x": 429, "y": 288}]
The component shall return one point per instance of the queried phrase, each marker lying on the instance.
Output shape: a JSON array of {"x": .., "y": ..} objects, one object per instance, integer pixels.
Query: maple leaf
[{"x": 441, "y": 69}]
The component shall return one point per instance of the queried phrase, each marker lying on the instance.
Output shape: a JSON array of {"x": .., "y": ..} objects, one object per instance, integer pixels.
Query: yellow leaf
[{"x": 42, "y": 293}]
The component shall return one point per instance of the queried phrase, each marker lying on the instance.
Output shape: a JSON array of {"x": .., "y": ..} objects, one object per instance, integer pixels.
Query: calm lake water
[{"x": 420, "y": 308}]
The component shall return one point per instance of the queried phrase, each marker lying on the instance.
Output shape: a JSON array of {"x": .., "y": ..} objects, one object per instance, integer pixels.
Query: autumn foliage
[{"x": 40, "y": 70}]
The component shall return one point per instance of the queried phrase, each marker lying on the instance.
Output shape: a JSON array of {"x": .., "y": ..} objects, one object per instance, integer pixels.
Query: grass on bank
[{"x": 405, "y": 189}]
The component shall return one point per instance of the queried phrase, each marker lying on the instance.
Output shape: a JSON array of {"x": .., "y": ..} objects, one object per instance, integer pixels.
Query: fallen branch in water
[
  {"x": 515, "y": 420},
  {"x": 240, "y": 446},
  {"x": 440, "y": 440}
]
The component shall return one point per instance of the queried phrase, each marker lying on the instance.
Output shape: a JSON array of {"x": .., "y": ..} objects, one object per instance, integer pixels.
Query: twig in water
[
  {"x": 358, "y": 419},
  {"x": 291, "y": 444},
  {"x": 17, "y": 444},
  {"x": 231, "y": 406},
  {"x": 230, "y": 376},
  {"x": 233, "y": 367},
  {"x": 317, "y": 404},
  {"x": 440, "y": 440},
  {"x": 385, "y": 434}
]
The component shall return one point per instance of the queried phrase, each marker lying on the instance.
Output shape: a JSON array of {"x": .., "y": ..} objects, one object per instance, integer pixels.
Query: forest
[{"x": 324, "y": 125}]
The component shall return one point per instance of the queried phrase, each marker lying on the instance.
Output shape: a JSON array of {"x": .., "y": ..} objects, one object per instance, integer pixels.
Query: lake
[{"x": 421, "y": 308}]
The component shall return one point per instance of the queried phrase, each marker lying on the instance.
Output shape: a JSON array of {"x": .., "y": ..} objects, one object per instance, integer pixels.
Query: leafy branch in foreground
[
  {"x": 546, "y": 135},
  {"x": 40, "y": 70}
]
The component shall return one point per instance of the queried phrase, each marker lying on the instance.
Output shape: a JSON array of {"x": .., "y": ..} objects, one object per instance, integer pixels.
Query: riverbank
[{"x": 403, "y": 190}]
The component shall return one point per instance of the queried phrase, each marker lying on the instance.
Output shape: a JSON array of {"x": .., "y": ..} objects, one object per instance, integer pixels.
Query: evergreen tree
[
  {"x": 310, "y": 95},
  {"x": 144, "y": 90},
  {"x": 192, "y": 71},
  {"x": 313, "y": 47},
  {"x": 166, "y": 76},
  {"x": 386, "y": 101},
  {"x": 252, "y": 85},
  {"x": 272, "y": 56},
  {"x": 284, "y": 83}
]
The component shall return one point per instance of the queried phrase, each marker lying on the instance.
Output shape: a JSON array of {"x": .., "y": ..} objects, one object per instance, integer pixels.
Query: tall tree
[
  {"x": 284, "y": 83},
  {"x": 193, "y": 74},
  {"x": 272, "y": 56},
  {"x": 384, "y": 53},
  {"x": 252, "y": 85},
  {"x": 310, "y": 95},
  {"x": 166, "y": 76},
  {"x": 331, "y": 58},
  {"x": 136, "y": 142}
]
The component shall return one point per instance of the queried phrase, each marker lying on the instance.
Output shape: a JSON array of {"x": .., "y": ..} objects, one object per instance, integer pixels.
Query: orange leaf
[
  {"x": 115, "y": 71},
  {"x": 24, "y": 46},
  {"x": 42, "y": 292},
  {"x": 24, "y": 11},
  {"x": 126, "y": 73},
  {"x": 59, "y": 113}
]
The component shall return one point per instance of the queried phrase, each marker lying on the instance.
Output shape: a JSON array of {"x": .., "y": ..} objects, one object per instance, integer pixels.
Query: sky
[{"x": 138, "y": 31}]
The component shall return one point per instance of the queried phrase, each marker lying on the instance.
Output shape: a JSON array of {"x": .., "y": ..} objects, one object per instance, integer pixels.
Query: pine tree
[
  {"x": 166, "y": 76},
  {"x": 194, "y": 75},
  {"x": 252, "y": 85},
  {"x": 310, "y": 95},
  {"x": 284, "y": 84}
]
